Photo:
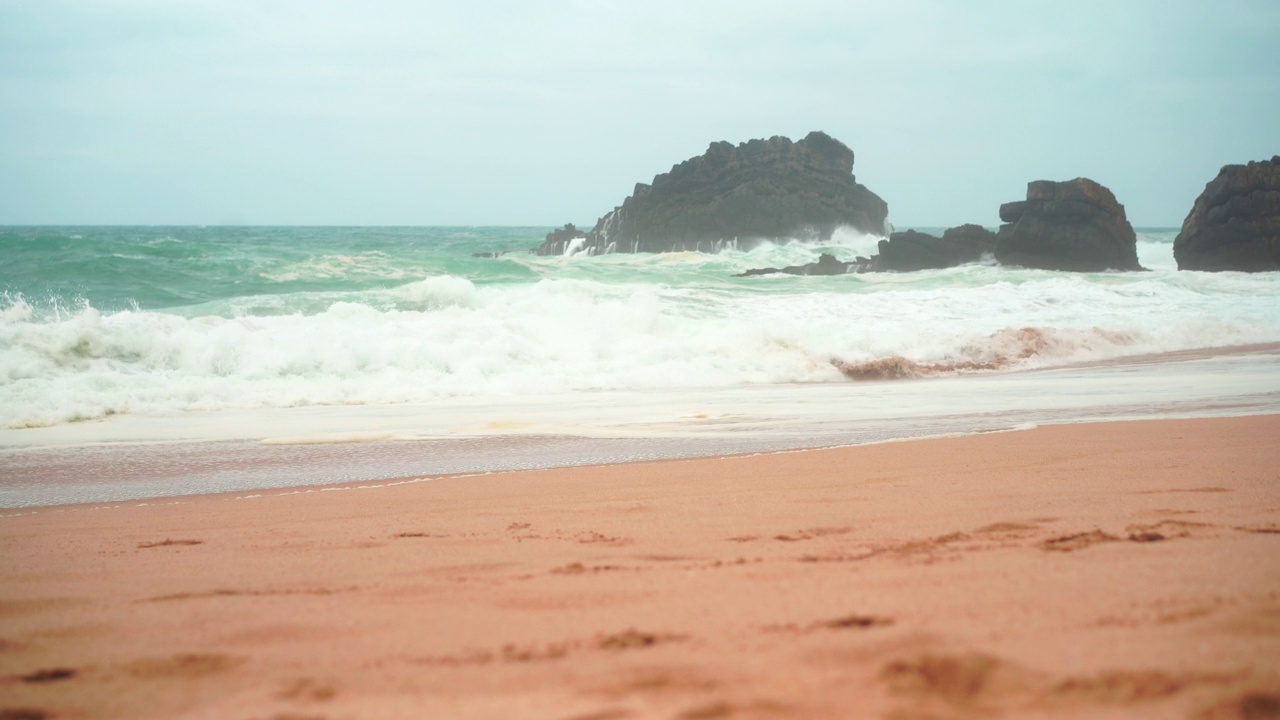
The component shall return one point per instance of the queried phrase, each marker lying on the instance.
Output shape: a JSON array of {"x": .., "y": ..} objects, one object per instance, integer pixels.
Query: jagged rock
[
  {"x": 562, "y": 238},
  {"x": 759, "y": 190},
  {"x": 827, "y": 264},
  {"x": 1075, "y": 225},
  {"x": 1235, "y": 223},
  {"x": 903, "y": 252},
  {"x": 911, "y": 250}
]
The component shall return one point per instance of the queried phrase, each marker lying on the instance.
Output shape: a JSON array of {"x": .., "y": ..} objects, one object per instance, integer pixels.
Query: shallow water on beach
[{"x": 134, "y": 458}]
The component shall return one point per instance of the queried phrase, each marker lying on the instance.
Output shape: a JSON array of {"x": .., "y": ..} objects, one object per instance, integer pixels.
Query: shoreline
[
  {"x": 1083, "y": 570},
  {"x": 132, "y": 458},
  {"x": 713, "y": 451}
]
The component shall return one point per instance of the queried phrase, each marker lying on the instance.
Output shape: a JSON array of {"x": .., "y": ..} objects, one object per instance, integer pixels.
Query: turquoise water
[
  {"x": 189, "y": 270},
  {"x": 170, "y": 268}
]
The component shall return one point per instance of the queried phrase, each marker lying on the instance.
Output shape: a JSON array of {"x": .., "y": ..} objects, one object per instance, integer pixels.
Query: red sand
[{"x": 1095, "y": 571}]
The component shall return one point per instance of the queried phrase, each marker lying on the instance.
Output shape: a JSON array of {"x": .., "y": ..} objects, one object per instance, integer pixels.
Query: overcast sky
[{"x": 501, "y": 113}]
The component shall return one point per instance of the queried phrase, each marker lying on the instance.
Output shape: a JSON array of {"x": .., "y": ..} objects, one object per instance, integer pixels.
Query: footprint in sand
[
  {"x": 524, "y": 531},
  {"x": 228, "y": 592},
  {"x": 927, "y": 550},
  {"x": 1163, "y": 530},
  {"x": 1186, "y": 490},
  {"x": 1127, "y": 687},
  {"x": 168, "y": 543},
  {"x": 591, "y": 536},
  {"x": 955, "y": 679},
  {"x": 1271, "y": 529},
  {"x": 609, "y": 714},
  {"x": 659, "y": 681},
  {"x": 49, "y": 675},
  {"x": 513, "y": 653},
  {"x": 308, "y": 690},
  {"x": 24, "y": 714},
  {"x": 1005, "y": 527},
  {"x": 187, "y": 665},
  {"x": 848, "y": 622},
  {"x": 1256, "y": 705},
  {"x": 633, "y": 639},
  {"x": 721, "y": 709},
  {"x": 812, "y": 533},
  {"x": 580, "y": 569},
  {"x": 976, "y": 680},
  {"x": 1078, "y": 541}
]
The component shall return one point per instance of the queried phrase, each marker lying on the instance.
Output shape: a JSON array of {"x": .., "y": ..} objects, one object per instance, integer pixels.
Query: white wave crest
[
  {"x": 438, "y": 292},
  {"x": 445, "y": 336}
]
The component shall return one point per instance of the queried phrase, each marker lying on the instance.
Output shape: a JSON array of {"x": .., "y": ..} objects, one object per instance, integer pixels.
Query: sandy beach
[{"x": 1115, "y": 570}]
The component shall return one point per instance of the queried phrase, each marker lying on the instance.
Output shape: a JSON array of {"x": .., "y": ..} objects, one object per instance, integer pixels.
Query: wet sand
[{"x": 1111, "y": 570}]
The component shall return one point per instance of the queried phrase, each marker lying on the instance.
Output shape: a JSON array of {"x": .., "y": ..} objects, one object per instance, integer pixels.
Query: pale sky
[{"x": 480, "y": 112}]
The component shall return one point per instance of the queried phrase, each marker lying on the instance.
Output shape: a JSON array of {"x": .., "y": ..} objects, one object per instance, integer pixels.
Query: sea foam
[
  {"x": 278, "y": 318},
  {"x": 445, "y": 336}
]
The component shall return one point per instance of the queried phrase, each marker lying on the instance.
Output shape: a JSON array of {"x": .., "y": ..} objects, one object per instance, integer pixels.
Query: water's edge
[{"x": 378, "y": 444}]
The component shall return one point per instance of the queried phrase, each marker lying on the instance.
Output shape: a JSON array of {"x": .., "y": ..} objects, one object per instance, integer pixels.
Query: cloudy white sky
[{"x": 480, "y": 112}]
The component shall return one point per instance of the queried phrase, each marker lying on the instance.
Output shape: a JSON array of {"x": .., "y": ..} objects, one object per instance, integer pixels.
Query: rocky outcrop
[
  {"x": 827, "y": 264},
  {"x": 911, "y": 250},
  {"x": 903, "y": 252},
  {"x": 564, "y": 236},
  {"x": 1235, "y": 223},
  {"x": 759, "y": 190},
  {"x": 1075, "y": 226}
]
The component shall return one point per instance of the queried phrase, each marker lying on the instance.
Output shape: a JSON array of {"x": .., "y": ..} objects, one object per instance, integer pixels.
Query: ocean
[{"x": 144, "y": 362}]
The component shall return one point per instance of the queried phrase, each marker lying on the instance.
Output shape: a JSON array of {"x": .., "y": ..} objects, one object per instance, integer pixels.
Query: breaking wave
[
  {"x": 446, "y": 335},
  {"x": 106, "y": 321}
]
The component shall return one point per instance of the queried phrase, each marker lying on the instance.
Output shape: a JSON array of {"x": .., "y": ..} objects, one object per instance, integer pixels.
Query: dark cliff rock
[
  {"x": 1075, "y": 225},
  {"x": 1235, "y": 223},
  {"x": 911, "y": 250},
  {"x": 761, "y": 189}
]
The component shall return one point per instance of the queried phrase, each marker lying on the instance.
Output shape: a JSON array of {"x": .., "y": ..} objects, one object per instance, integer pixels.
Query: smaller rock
[
  {"x": 558, "y": 240},
  {"x": 827, "y": 264},
  {"x": 911, "y": 250},
  {"x": 1075, "y": 225}
]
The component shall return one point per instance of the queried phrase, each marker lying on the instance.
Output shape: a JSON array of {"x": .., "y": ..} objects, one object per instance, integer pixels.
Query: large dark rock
[
  {"x": 1235, "y": 223},
  {"x": 759, "y": 190},
  {"x": 1075, "y": 225},
  {"x": 911, "y": 250}
]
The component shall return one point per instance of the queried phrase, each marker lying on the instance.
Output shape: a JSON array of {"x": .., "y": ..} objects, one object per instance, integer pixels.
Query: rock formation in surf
[
  {"x": 1235, "y": 223},
  {"x": 761, "y": 189},
  {"x": 1075, "y": 225},
  {"x": 827, "y": 264},
  {"x": 564, "y": 236},
  {"x": 903, "y": 252},
  {"x": 911, "y": 250}
]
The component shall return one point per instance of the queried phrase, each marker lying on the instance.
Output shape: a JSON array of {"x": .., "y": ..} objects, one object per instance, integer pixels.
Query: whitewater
[{"x": 116, "y": 343}]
